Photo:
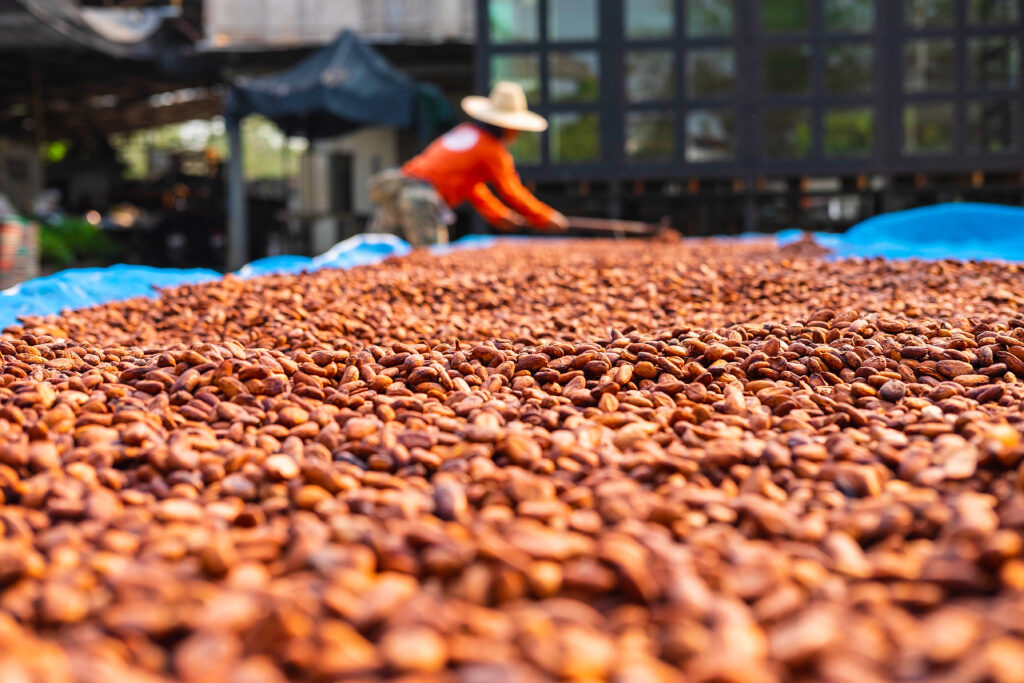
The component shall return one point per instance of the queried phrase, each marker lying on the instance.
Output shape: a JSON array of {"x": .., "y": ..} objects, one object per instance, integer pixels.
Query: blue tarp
[
  {"x": 82, "y": 287},
  {"x": 945, "y": 231},
  {"x": 963, "y": 231},
  {"x": 343, "y": 86}
]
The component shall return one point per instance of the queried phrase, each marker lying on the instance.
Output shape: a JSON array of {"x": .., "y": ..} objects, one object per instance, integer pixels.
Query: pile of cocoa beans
[{"x": 603, "y": 460}]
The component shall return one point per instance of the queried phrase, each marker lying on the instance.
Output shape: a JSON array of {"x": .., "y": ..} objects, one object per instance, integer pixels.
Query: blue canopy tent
[{"x": 342, "y": 87}]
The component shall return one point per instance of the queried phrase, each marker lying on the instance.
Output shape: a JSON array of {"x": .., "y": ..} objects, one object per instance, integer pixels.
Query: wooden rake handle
[{"x": 614, "y": 226}]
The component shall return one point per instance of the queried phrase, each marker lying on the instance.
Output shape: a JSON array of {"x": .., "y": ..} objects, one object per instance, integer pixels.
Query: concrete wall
[
  {"x": 372, "y": 150},
  {"x": 279, "y": 23}
]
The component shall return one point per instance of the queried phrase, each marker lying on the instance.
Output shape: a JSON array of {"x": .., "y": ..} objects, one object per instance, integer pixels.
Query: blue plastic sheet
[
  {"x": 961, "y": 231},
  {"x": 355, "y": 251},
  {"x": 945, "y": 231},
  {"x": 83, "y": 287}
]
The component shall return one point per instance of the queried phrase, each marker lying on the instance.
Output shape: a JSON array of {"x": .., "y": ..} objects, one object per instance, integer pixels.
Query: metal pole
[
  {"x": 38, "y": 106},
  {"x": 238, "y": 224}
]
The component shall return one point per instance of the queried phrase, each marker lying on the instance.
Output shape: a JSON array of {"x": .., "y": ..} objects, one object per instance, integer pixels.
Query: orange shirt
[{"x": 462, "y": 162}]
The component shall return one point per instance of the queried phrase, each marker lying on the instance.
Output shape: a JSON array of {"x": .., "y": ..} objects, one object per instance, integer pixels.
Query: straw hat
[{"x": 506, "y": 107}]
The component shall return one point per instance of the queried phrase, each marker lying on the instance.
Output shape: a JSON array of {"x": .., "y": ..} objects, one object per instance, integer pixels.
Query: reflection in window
[
  {"x": 525, "y": 149},
  {"x": 708, "y": 18},
  {"x": 849, "y": 68},
  {"x": 786, "y": 16},
  {"x": 928, "y": 13},
  {"x": 993, "y": 62},
  {"x": 850, "y": 16},
  {"x": 786, "y": 69},
  {"x": 523, "y": 69},
  {"x": 786, "y": 133},
  {"x": 992, "y": 126},
  {"x": 573, "y": 76},
  {"x": 710, "y": 135},
  {"x": 574, "y": 137},
  {"x": 650, "y": 135},
  {"x": 650, "y": 19},
  {"x": 650, "y": 75},
  {"x": 928, "y": 128},
  {"x": 710, "y": 72},
  {"x": 992, "y": 12},
  {"x": 928, "y": 65},
  {"x": 572, "y": 20},
  {"x": 514, "y": 21},
  {"x": 849, "y": 132}
]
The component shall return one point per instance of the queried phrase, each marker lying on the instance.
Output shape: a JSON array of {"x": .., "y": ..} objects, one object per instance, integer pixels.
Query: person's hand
[
  {"x": 511, "y": 223},
  {"x": 557, "y": 223}
]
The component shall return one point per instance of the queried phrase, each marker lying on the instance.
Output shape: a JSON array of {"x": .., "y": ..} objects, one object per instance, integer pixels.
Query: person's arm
[
  {"x": 490, "y": 207},
  {"x": 511, "y": 189}
]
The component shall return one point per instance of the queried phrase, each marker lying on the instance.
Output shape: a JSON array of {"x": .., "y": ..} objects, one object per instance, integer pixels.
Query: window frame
[{"x": 886, "y": 98}]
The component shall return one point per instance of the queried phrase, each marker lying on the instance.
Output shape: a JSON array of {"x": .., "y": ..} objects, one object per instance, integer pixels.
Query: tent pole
[{"x": 238, "y": 224}]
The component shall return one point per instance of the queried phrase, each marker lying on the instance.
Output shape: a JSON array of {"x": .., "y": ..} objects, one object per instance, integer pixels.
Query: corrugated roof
[{"x": 63, "y": 25}]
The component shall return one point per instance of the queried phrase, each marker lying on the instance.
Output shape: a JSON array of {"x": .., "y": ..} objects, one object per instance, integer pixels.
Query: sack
[{"x": 384, "y": 187}]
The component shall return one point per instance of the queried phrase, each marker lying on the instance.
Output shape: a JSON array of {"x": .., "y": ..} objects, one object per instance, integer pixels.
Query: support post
[{"x": 238, "y": 223}]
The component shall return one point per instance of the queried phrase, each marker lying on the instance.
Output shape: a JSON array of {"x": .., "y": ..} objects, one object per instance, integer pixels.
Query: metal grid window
[
  {"x": 961, "y": 91},
  {"x": 670, "y": 89}
]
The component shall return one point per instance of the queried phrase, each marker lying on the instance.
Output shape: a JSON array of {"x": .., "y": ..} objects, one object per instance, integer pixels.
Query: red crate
[{"x": 19, "y": 251}]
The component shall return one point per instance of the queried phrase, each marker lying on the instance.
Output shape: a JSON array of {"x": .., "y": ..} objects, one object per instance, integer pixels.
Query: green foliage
[
  {"x": 53, "y": 250},
  {"x": 851, "y": 16},
  {"x": 575, "y": 138},
  {"x": 74, "y": 239},
  {"x": 526, "y": 149},
  {"x": 786, "y": 133},
  {"x": 267, "y": 153},
  {"x": 786, "y": 70},
  {"x": 785, "y": 16},
  {"x": 849, "y": 132},
  {"x": 650, "y": 136},
  {"x": 709, "y": 18},
  {"x": 849, "y": 68},
  {"x": 55, "y": 151}
]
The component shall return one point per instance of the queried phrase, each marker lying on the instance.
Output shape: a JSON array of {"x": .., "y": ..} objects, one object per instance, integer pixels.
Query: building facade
[
  {"x": 285, "y": 23},
  {"x": 658, "y": 105}
]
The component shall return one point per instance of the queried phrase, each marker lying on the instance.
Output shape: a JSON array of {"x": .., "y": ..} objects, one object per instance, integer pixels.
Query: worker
[{"x": 416, "y": 200}]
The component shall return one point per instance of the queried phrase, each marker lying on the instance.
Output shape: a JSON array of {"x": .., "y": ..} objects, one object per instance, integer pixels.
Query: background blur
[{"x": 727, "y": 115}]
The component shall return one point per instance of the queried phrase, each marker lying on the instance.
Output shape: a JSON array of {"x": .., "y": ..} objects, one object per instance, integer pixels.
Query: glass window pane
[
  {"x": 523, "y": 69},
  {"x": 710, "y": 72},
  {"x": 575, "y": 137},
  {"x": 849, "y": 132},
  {"x": 992, "y": 126},
  {"x": 707, "y": 18},
  {"x": 710, "y": 135},
  {"x": 850, "y": 16},
  {"x": 928, "y": 65},
  {"x": 572, "y": 20},
  {"x": 786, "y": 133},
  {"x": 650, "y": 19},
  {"x": 514, "y": 21},
  {"x": 928, "y": 13},
  {"x": 786, "y": 16},
  {"x": 992, "y": 12},
  {"x": 650, "y": 135},
  {"x": 786, "y": 69},
  {"x": 928, "y": 128},
  {"x": 525, "y": 149},
  {"x": 650, "y": 75},
  {"x": 849, "y": 68},
  {"x": 573, "y": 76},
  {"x": 993, "y": 62}
]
